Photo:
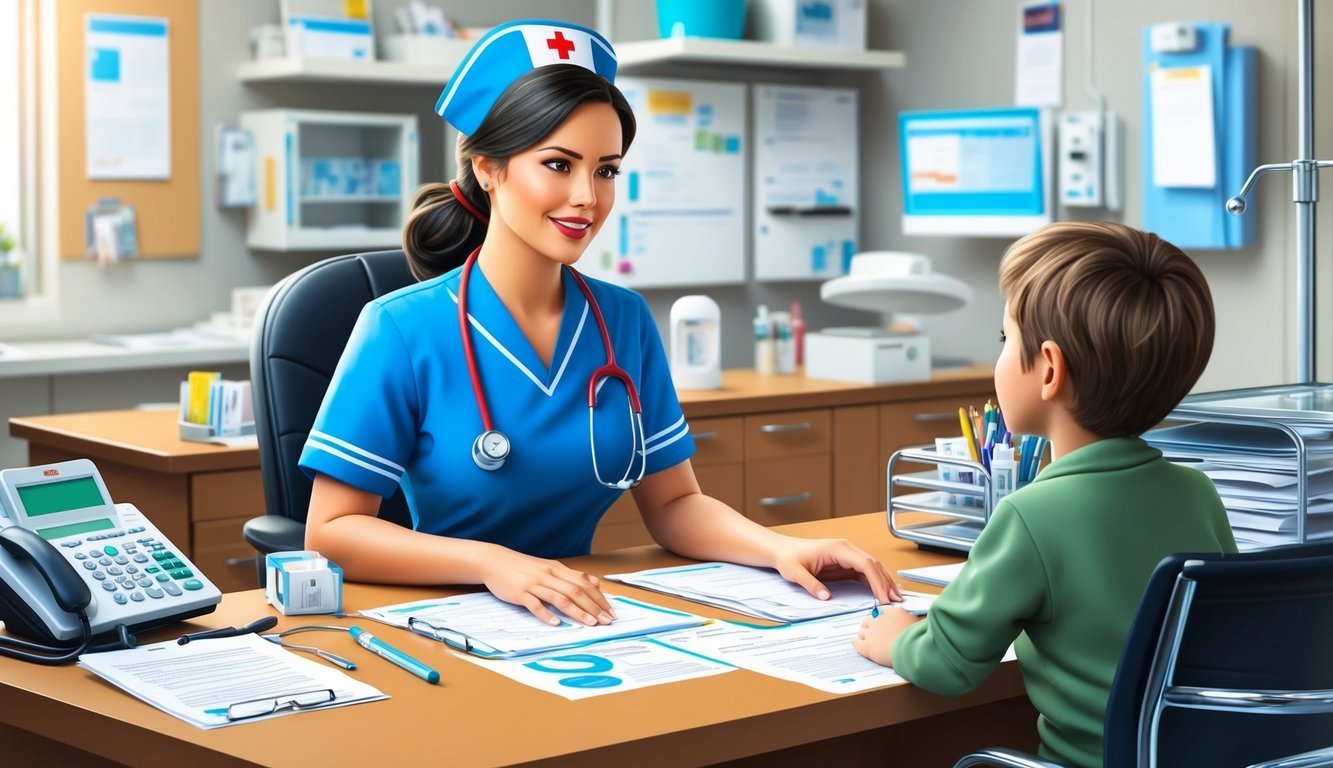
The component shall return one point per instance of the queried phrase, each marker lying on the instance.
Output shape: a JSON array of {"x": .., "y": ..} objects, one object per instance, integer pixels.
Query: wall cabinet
[{"x": 331, "y": 180}]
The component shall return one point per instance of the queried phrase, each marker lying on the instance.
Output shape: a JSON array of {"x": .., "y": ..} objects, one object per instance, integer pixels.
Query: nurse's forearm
[
  {"x": 703, "y": 528},
  {"x": 370, "y": 549}
]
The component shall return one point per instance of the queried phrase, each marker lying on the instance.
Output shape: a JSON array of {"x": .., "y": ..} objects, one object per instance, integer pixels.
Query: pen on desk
[
  {"x": 258, "y": 625},
  {"x": 874, "y": 611},
  {"x": 393, "y": 655}
]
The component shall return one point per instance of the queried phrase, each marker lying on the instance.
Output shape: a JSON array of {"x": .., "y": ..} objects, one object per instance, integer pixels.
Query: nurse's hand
[
  {"x": 807, "y": 561},
  {"x": 535, "y": 583}
]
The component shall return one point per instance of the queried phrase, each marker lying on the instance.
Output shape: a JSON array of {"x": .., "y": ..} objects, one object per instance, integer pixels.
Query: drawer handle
[
  {"x": 704, "y": 435},
  {"x": 930, "y": 418},
  {"x": 800, "y": 426},
  {"x": 232, "y": 562},
  {"x": 785, "y": 501}
]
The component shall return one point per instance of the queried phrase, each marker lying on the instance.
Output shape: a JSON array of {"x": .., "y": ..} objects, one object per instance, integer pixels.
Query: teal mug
[{"x": 701, "y": 18}]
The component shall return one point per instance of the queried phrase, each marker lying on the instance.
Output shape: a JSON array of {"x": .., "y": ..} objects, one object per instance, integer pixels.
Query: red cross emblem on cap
[{"x": 560, "y": 45}]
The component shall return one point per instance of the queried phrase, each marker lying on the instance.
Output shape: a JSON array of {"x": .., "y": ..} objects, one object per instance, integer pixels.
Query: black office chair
[
  {"x": 300, "y": 331},
  {"x": 1228, "y": 662}
]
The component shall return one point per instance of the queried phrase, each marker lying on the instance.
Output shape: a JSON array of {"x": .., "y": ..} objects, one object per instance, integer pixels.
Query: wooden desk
[
  {"x": 199, "y": 495},
  {"x": 477, "y": 718},
  {"x": 781, "y": 449}
]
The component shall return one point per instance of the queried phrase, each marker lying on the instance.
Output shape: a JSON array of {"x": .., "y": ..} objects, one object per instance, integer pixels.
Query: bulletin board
[{"x": 167, "y": 211}]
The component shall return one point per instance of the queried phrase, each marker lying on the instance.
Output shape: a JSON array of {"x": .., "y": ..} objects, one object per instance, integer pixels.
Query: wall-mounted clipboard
[
  {"x": 1194, "y": 215},
  {"x": 169, "y": 210}
]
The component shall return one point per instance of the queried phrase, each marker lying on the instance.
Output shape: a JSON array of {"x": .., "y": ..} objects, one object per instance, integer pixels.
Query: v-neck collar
[{"x": 491, "y": 320}]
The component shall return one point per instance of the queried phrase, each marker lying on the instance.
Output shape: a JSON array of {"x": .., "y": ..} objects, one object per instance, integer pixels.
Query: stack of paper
[
  {"x": 758, "y": 592},
  {"x": 939, "y": 575},
  {"x": 482, "y": 624},
  {"x": 203, "y": 681},
  {"x": 1254, "y": 469}
]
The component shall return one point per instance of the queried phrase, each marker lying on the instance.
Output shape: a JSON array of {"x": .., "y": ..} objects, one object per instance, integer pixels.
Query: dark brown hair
[
  {"x": 1130, "y": 312},
  {"x": 439, "y": 233}
]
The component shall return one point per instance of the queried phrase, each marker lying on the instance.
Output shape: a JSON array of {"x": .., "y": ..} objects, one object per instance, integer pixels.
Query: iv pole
[{"x": 1304, "y": 193}]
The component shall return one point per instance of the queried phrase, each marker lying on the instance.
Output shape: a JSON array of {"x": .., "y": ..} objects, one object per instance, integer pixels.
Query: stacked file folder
[{"x": 1257, "y": 470}]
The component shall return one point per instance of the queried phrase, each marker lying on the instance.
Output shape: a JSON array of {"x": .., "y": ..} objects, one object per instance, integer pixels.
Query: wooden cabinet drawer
[
  {"x": 717, "y": 441},
  {"x": 788, "y": 490},
  {"x": 218, "y": 495},
  {"x": 788, "y": 433},
  {"x": 222, "y": 554},
  {"x": 921, "y": 421}
]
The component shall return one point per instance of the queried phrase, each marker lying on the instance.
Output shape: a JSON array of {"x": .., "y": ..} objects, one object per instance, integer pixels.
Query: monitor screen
[{"x": 982, "y": 172}]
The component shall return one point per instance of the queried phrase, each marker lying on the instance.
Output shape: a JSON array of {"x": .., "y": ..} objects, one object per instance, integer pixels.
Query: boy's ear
[{"x": 1054, "y": 371}]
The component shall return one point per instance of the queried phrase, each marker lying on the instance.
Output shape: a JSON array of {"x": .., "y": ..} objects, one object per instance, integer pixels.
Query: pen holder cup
[{"x": 202, "y": 433}]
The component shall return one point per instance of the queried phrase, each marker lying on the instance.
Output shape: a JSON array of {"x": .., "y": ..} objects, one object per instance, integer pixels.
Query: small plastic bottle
[
  {"x": 785, "y": 347},
  {"x": 765, "y": 349},
  {"x": 798, "y": 332},
  {"x": 1001, "y": 471}
]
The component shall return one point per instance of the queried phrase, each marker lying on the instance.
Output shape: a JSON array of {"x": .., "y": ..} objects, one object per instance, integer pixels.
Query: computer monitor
[{"x": 980, "y": 172}]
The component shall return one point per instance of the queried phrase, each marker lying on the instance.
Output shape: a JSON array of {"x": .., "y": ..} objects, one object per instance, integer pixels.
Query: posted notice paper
[{"x": 127, "y": 109}]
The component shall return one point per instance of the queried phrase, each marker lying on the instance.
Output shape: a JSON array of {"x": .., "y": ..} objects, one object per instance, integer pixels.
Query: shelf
[
  {"x": 937, "y": 503},
  {"x": 675, "y": 50},
  {"x": 333, "y": 238},
  {"x": 931, "y": 481},
  {"x": 698, "y": 50},
  {"x": 334, "y": 200},
  {"x": 336, "y": 71}
]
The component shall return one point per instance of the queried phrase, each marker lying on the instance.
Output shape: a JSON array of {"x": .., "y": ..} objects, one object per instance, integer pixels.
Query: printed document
[
  {"x": 940, "y": 575},
  {"x": 610, "y": 667},
  {"x": 758, "y": 592},
  {"x": 1184, "y": 147},
  {"x": 814, "y": 653},
  {"x": 485, "y": 625},
  {"x": 201, "y": 681},
  {"x": 127, "y": 105}
]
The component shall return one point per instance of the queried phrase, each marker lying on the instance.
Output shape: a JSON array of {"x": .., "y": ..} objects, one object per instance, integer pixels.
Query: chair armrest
[
  {"x": 1312, "y": 759},
  {"x": 1247, "y": 700},
  {"x": 1002, "y": 756},
  {"x": 274, "y": 533}
]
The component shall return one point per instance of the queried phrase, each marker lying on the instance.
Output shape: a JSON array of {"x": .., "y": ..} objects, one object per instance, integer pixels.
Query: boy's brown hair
[{"x": 1130, "y": 312}]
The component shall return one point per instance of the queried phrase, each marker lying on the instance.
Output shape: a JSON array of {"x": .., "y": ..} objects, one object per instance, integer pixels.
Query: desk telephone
[{"x": 74, "y": 565}]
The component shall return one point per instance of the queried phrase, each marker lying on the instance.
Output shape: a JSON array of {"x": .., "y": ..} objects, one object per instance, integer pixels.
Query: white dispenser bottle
[{"x": 696, "y": 343}]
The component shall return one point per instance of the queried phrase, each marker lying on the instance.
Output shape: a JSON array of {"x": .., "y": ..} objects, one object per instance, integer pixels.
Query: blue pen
[
  {"x": 874, "y": 611},
  {"x": 393, "y": 655}
]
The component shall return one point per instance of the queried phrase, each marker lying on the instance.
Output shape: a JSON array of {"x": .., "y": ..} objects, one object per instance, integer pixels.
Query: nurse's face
[{"x": 556, "y": 195}]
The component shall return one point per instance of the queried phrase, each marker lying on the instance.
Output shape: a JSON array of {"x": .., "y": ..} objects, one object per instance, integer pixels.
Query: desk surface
[
  {"x": 478, "y": 718},
  {"x": 150, "y": 440}
]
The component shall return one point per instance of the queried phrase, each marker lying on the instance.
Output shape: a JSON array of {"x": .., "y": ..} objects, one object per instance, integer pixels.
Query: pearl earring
[{"x": 486, "y": 185}]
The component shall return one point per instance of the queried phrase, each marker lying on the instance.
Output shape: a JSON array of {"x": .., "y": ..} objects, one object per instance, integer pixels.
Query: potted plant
[{"x": 11, "y": 284}]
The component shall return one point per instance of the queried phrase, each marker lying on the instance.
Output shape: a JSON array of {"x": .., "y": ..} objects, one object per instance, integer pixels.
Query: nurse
[{"x": 471, "y": 389}]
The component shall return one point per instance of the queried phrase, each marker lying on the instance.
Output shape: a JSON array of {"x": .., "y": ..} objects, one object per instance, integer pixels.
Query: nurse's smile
[{"x": 574, "y": 227}]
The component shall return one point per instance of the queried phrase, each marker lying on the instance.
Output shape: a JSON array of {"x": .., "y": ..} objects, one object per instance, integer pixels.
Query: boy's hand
[{"x": 875, "y": 640}]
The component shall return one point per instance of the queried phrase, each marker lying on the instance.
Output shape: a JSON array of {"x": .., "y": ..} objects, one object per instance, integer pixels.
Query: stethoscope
[{"x": 492, "y": 447}]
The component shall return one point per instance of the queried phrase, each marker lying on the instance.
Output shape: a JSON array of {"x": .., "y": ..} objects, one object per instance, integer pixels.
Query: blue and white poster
[{"x": 127, "y": 107}]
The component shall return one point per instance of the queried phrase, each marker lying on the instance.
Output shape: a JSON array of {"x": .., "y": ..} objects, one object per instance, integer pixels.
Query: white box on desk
[
  {"x": 826, "y": 23},
  {"x": 867, "y": 355}
]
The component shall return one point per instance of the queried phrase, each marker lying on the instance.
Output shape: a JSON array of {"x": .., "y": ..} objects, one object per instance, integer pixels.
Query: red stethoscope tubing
[{"x": 609, "y": 370}]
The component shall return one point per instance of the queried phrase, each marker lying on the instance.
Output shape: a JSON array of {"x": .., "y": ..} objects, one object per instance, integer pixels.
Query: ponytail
[{"x": 440, "y": 232}]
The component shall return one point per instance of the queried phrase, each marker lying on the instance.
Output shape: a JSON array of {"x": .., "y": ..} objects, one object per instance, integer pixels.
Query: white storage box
[
  {"x": 430, "y": 50},
  {"x": 827, "y": 23},
  {"x": 867, "y": 355},
  {"x": 303, "y": 582}
]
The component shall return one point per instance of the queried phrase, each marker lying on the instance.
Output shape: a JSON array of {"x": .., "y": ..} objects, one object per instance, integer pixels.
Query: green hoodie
[{"x": 1058, "y": 571}]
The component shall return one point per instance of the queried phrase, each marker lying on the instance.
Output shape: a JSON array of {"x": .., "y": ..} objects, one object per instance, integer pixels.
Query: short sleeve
[
  {"x": 366, "y": 428},
  {"x": 667, "y": 440},
  {"x": 980, "y": 614}
]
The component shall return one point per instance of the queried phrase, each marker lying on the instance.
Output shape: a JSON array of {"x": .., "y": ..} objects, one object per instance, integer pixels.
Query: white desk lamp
[{"x": 882, "y": 281}]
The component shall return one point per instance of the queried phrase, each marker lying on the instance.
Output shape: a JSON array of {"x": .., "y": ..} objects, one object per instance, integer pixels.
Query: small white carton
[{"x": 303, "y": 582}]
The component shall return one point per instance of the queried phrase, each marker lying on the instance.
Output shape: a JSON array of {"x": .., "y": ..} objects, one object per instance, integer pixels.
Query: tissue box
[
  {"x": 827, "y": 23},
  {"x": 303, "y": 582}
]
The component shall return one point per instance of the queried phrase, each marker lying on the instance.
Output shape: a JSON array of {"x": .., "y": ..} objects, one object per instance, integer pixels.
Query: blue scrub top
[{"x": 400, "y": 410}]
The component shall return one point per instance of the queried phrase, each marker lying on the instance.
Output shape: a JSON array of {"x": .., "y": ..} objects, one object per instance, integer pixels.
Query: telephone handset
[{"x": 74, "y": 565}]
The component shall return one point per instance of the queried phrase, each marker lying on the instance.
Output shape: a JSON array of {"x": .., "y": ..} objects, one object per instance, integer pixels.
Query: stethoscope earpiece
[{"x": 490, "y": 450}]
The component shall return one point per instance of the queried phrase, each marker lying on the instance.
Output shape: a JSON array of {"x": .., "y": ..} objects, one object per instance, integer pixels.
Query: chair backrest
[
  {"x": 300, "y": 331},
  {"x": 1255, "y": 621}
]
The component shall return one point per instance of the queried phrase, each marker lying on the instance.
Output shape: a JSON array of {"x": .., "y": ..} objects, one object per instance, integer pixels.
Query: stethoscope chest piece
[{"x": 490, "y": 449}]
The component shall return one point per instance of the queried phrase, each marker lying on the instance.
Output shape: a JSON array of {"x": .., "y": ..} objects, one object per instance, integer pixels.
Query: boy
[{"x": 1106, "y": 328}]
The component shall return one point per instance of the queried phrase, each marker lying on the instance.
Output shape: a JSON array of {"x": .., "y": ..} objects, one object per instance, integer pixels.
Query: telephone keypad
[
  {"x": 120, "y": 599},
  {"x": 162, "y": 574},
  {"x": 154, "y": 592},
  {"x": 136, "y": 597}
]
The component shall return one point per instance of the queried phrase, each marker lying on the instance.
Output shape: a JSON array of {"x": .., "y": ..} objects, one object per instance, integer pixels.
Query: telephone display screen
[
  {"x": 87, "y": 526},
  {"x": 60, "y": 496}
]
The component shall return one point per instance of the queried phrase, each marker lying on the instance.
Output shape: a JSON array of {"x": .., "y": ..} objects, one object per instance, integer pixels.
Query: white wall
[{"x": 960, "y": 53}]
